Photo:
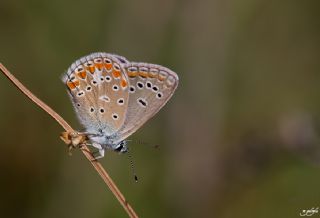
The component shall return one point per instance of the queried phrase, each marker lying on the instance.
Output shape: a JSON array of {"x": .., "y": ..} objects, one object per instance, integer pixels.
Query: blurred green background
[{"x": 240, "y": 138}]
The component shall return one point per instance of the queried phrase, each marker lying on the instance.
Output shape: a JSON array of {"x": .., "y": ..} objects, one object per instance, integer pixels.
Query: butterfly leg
[{"x": 100, "y": 151}]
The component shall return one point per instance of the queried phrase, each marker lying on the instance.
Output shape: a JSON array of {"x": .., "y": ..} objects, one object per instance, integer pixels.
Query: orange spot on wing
[
  {"x": 161, "y": 78},
  {"x": 82, "y": 74},
  {"x": 143, "y": 74},
  {"x": 73, "y": 85},
  {"x": 91, "y": 69},
  {"x": 116, "y": 73},
  {"x": 99, "y": 66},
  {"x": 123, "y": 83},
  {"x": 152, "y": 75},
  {"x": 132, "y": 74},
  {"x": 108, "y": 66}
]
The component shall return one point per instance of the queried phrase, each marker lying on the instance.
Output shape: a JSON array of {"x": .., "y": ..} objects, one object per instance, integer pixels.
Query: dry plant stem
[{"x": 98, "y": 167}]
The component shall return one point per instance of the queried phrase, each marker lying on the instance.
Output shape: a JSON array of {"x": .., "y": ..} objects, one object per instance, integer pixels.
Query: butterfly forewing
[
  {"x": 151, "y": 86},
  {"x": 98, "y": 86}
]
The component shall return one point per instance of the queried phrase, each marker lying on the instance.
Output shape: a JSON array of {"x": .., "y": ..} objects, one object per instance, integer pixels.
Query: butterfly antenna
[{"x": 132, "y": 166}]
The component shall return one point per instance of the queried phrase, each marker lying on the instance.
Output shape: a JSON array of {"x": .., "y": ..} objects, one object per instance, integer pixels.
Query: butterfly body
[
  {"x": 109, "y": 142},
  {"x": 114, "y": 97}
]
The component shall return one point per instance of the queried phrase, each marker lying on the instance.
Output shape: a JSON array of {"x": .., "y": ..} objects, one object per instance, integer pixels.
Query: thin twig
[{"x": 98, "y": 167}]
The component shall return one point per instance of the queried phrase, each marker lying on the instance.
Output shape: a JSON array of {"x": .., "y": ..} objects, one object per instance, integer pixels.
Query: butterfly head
[
  {"x": 109, "y": 142},
  {"x": 121, "y": 147}
]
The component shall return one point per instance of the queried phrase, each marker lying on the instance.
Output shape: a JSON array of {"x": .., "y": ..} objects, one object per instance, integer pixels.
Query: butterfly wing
[
  {"x": 98, "y": 87},
  {"x": 151, "y": 86}
]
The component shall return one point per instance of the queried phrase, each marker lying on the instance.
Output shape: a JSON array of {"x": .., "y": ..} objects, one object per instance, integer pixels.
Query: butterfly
[{"x": 114, "y": 97}]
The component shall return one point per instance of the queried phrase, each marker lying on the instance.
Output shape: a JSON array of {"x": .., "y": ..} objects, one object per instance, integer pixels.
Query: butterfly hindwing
[{"x": 151, "y": 86}]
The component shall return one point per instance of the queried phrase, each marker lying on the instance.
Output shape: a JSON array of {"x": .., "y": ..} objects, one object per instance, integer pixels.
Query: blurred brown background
[{"x": 240, "y": 138}]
